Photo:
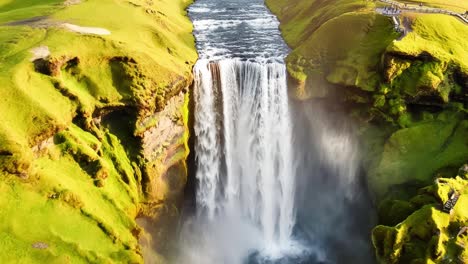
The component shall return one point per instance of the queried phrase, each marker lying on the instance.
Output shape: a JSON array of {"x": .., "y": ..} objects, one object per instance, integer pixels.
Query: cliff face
[
  {"x": 93, "y": 130},
  {"x": 408, "y": 91}
]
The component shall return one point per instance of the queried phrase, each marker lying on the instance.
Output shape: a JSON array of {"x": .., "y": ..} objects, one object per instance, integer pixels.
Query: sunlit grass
[{"x": 80, "y": 196}]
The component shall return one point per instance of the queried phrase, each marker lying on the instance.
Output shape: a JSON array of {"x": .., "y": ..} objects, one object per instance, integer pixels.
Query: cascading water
[
  {"x": 244, "y": 157},
  {"x": 243, "y": 148},
  {"x": 247, "y": 160}
]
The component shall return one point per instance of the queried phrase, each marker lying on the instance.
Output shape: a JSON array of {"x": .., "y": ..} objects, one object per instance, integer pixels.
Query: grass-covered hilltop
[
  {"x": 93, "y": 126},
  {"x": 406, "y": 80}
]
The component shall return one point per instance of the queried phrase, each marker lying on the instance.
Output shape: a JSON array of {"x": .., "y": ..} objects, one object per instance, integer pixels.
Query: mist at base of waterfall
[
  {"x": 334, "y": 206},
  {"x": 228, "y": 241}
]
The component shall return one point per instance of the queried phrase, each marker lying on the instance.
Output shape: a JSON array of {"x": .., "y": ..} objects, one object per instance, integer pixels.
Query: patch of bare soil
[
  {"x": 40, "y": 52},
  {"x": 71, "y": 2}
]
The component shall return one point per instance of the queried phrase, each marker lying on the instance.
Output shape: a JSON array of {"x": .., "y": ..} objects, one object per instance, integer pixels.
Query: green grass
[
  {"x": 345, "y": 43},
  {"x": 338, "y": 42},
  {"x": 14, "y": 10},
  {"x": 415, "y": 154},
  {"x": 81, "y": 220},
  {"x": 453, "y": 5},
  {"x": 146, "y": 38},
  {"x": 81, "y": 194},
  {"x": 299, "y": 19},
  {"x": 439, "y": 35},
  {"x": 406, "y": 92}
]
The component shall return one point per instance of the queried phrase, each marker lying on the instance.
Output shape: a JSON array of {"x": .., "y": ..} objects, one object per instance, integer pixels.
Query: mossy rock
[
  {"x": 429, "y": 234},
  {"x": 417, "y": 153}
]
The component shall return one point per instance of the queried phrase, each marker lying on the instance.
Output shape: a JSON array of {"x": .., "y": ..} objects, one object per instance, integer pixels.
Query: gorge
[
  {"x": 236, "y": 131},
  {"x": 249, "y": 154}
]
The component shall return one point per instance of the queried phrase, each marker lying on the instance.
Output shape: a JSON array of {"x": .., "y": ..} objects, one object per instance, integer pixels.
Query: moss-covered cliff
[
  {"x": 93, "y": 126},
  {"x": 407, "y": 88},
  {"x": 431, "y": 227}
]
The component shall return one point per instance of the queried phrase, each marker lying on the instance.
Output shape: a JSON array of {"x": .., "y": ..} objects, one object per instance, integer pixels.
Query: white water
[
  {"x": 243, "y": 151},
  {"x": 262, "y": 196}
]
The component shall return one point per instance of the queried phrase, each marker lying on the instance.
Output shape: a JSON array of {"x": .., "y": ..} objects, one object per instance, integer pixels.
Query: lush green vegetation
[
  {"x": 73, "y": 186},
  {"x": 453, "y": 5},
  {"x": 345, "y": 50},
  {"x": 408, "y": 93},
  {"x": 421, "y": 229}
]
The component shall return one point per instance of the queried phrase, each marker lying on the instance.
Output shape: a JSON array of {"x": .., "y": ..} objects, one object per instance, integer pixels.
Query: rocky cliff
[
  {"x": 93, "y": 132},
  {"x": 406, "y": 85}
]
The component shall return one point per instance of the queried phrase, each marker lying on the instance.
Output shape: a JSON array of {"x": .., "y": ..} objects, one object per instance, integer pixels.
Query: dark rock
[
  {"x": 53, "y": 66},
  {"x": 5, "y": 153}
]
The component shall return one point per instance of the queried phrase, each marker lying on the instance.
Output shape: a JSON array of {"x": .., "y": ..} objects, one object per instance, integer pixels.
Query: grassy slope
[
  {"x": 453, "y": 5},
  {"x": 345, "y": 50},
  {"x": 81, "y": 193},
  {"x": 412, "y": 93},
  {"x": 327, "y": 38}
]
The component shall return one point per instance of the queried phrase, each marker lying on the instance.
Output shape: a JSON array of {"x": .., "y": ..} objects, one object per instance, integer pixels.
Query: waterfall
[
  {"x": 263, "y": 194},
  {"x": 243, "y": 147}
]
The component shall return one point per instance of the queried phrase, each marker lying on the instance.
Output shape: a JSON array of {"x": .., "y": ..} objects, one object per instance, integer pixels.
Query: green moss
[
  {"x": 297, "y": 73},
  {"x": 418, "y": 152},
  {"x": 392, "y": 212},
  {"x": 427, "y": 235}
]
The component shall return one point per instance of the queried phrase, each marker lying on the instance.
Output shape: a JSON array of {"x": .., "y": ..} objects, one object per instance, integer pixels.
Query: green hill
[
  {"x": 408, "y": 91},
  {"x": 79, "y": 113}
]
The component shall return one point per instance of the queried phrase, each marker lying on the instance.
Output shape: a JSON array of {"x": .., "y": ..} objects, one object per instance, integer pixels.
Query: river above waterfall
[
  {"x": 242, "y": 29},
  {"x": 272, "y": 178}
]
